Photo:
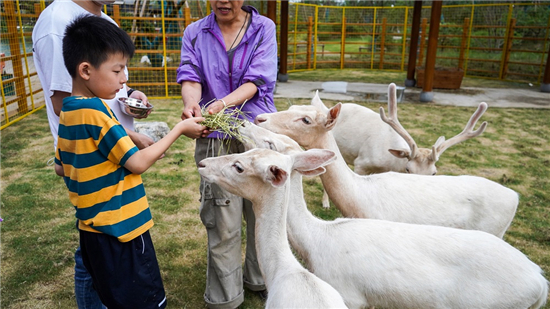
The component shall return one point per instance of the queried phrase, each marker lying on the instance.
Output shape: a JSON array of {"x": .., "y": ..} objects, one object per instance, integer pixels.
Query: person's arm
[
  {"x": 239, "y": 96},
  {"x": 140, "y": 161},
  {"x": 141, "y": 140},
  {"x": 191, "y": 95},
  {"x": 57, "y": 100},
  {"x": 59, "y": 170}
]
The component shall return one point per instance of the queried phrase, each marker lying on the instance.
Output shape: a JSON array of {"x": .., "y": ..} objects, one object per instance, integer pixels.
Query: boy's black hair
[{"x": 93, "y": 39}]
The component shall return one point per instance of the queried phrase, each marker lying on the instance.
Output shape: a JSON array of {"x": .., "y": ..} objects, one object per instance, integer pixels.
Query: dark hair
[{"x": 93, "y": 39}]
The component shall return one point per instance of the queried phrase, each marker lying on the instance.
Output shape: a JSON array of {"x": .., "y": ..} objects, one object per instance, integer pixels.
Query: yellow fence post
[
  {"x": 373, "y": 42},
  {"x": 308, "y": 45},
  {"x": 343, "y": 39},
  {"x": 165, "y": 64},
  {"x": 26, "y": 61},
  {"x": 15, "y": 50},
  {"x": 382, "y": 43},
  {"x": 404, "y": 43},
  {"x": 315, "y": 37}
]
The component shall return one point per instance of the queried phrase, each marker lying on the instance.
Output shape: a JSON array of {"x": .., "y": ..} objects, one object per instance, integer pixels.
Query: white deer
[
  {"x": 372, "y": 143},
  {"x": 422, "y": 160},
  {"x": 261, "y": 176},
  {"x": 466, "y": 202},
  {"x": 396, "y": 265}
]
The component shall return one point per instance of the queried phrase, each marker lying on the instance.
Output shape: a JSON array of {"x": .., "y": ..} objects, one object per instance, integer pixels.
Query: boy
[{"x": 102, "y": 166}]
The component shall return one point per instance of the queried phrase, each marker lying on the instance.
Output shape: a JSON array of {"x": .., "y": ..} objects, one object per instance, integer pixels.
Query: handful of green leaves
[{"x": 227, "y": 121}]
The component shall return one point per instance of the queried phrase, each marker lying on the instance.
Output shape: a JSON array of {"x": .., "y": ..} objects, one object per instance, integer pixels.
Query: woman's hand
[{"x": 216, "y": 107}]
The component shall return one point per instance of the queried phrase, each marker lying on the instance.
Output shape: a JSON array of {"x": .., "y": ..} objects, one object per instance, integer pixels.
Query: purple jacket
[{"x": 204, "y": 60}]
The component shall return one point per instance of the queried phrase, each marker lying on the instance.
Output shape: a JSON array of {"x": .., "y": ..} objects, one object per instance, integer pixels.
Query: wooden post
[
  {"x": 463, "y": 42},
  {"x": 508, "y": 48},
  {"x": 382, "y": 43},
  {"x": 272, "y": 10},
  {"x": 309, "y": 38},
  {"x": 429, "y": 70},
  {"x": 422, "y": 41},
  {"x": 15, "y": 51},
  {"x": 545, "y": 86},
  {"x": 413, "y": 47},
  {"x": 283, "y": 42}
]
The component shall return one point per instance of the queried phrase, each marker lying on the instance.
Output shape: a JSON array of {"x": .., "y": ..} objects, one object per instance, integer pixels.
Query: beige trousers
[{"x": 222, "y": 214}]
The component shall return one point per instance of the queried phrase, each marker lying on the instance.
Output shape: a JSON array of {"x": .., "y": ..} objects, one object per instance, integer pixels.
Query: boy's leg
[
  {"x": 125, "y": 274},
  {"x": 86, "y": 295},
  {"x": 221, "y": 214}
]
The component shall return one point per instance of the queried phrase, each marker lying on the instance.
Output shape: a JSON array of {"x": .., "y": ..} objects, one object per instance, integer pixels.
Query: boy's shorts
[{"x": 125, "y": 274}]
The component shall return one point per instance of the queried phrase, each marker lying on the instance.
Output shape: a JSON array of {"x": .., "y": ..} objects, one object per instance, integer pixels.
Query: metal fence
[{"x": 497, "y": 41}]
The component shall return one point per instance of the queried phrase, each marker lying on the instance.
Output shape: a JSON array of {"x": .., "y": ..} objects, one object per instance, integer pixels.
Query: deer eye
[
  {"x": 306, "y": 120},
  {"x": 271, "y": 146},
  {"x": 238, "y": 167}
]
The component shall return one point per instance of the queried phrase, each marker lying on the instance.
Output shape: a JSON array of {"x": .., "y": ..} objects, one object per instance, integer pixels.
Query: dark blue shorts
[{"x": 125, "y": 274}]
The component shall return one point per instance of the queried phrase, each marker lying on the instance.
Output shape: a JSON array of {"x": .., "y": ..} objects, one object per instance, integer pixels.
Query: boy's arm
[{"x": 140, "y": 161}]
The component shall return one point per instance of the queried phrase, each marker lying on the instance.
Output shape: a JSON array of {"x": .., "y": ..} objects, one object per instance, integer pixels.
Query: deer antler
[
  {"x": 393, "y": 122},
  {"x": 441, "y": 145}
]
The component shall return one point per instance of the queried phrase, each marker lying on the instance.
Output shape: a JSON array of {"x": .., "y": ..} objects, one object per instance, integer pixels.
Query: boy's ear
[{"x": 84, "y": 70}]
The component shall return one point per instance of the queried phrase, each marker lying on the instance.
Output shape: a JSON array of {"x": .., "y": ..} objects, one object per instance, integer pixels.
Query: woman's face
[{"x": 226, "y": 10}]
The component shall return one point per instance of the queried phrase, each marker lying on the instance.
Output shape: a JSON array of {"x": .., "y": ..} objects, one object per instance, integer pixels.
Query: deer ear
[
  {"x": 400, "y": 153},
  {"x": 332, "y": 116},
  {"x": 316, "y": 101},
  {"x": 310, "y": 160},
  {"x": 315, "y": 172},
  {"x": 276, "y": 175}
]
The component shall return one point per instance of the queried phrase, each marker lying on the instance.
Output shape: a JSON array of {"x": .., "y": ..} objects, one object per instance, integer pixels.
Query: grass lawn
[{"x": 39, "y": 235}]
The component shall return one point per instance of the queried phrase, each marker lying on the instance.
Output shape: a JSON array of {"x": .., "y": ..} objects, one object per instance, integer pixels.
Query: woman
[{"x": 228, "y": 58}]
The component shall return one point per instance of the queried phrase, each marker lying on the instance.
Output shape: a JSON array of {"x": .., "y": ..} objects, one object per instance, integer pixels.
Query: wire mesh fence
[{"x": 507, "y": 41}]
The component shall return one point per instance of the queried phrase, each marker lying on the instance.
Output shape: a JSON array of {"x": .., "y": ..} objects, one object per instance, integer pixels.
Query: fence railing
[{"x": 498, "y": 41}]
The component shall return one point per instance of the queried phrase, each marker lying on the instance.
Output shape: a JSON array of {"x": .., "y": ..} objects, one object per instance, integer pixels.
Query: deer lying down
[
  {"x": 373, "y": 143},
  {"x": 422, "y": 160},
  {"x": 398, "y": 265},
  {"x": 466, "y": 202},
  {"x": 261, "y": 176}
]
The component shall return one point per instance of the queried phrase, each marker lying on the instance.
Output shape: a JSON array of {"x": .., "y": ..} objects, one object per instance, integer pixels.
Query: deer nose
[{"x": 201, "y": 164}]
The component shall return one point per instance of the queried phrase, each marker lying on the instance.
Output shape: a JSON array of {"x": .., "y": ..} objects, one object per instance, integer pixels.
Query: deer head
[{"x": 422, "y": 160}]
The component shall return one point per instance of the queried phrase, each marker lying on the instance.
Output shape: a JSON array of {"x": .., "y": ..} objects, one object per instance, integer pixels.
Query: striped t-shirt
[{"x": 92, "y": 148}]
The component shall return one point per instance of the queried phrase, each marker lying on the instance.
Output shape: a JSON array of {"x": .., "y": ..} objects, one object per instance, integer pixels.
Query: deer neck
[
  {"x": 272, "y": 244},
  {"x": 340, "y": 182},
  {"x": 302, "y": 225}
]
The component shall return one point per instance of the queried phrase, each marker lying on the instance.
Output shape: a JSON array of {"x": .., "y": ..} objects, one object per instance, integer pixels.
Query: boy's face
[{"x": 105, "y": 81}]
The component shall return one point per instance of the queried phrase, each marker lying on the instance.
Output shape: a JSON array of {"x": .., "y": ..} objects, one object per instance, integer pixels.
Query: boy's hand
[{"x": 192, "y": 128}]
